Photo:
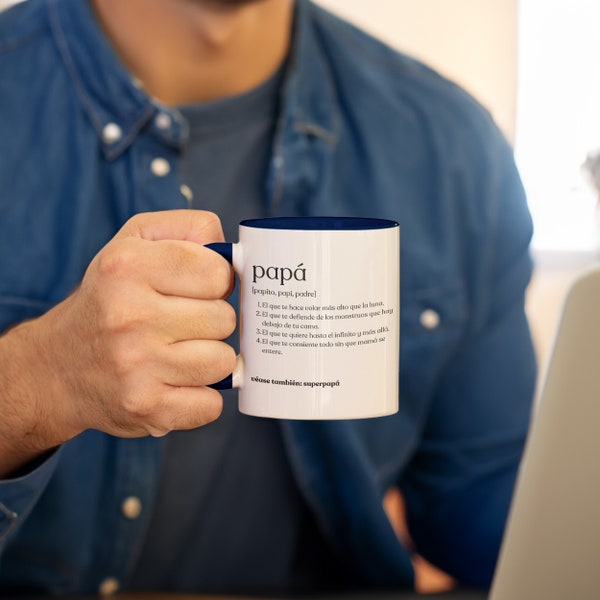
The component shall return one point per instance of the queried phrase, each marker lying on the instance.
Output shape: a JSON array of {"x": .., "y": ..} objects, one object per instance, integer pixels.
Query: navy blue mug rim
[{"x": 325, "y": 223}]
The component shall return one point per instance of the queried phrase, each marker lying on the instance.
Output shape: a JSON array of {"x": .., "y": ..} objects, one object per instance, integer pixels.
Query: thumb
[{"x": 198, "y": 226}]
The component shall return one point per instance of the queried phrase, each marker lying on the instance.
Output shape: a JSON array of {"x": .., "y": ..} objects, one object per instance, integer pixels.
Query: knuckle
[
  {"x": 116, "y": 318},
  {"x": 116, "y": 260},
  {"x": 136, "y": 406},
  {"x": 144, "y": 403},
  {"x": 122, "y": 313},
  {"x": 126, "y": 358},
  {"x": 211, "y": 222}
]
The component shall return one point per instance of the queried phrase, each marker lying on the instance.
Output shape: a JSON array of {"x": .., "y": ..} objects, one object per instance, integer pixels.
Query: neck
[{"x": 188, "y": 51}]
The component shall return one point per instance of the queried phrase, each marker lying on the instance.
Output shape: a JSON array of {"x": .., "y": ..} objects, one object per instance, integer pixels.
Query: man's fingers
[
  {"x": 196, "y": 363},
  {"x": 186, "y": 408},
  {"x": 199, "y": 226},
  {"x": 185, "y": 319},
  {"x": 174, "y": 393},
  {"x": 187, "y": 269},
  {"x": 169, "y": 267},
  {"x": 179, "y": 408}
]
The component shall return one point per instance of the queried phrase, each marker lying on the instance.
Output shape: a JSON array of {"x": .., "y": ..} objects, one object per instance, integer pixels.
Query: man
[{"x": 114, "y": 321}]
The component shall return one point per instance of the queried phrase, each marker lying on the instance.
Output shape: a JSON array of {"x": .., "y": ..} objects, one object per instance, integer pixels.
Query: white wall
[
  {"x": 6, "y": 3},
  {"x": 474, "y": 42}
]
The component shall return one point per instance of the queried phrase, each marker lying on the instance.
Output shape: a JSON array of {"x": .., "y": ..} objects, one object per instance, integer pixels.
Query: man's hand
[
  {"x": 132, "y": 350},
  {"x": 428, "y": 578}
]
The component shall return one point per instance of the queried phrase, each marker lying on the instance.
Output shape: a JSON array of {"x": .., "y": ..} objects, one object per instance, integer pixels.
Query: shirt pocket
[
  {"x": 433, "y": 321},
  {"x": 16, "y": 309},
  {"x": 432, "y": 311}
]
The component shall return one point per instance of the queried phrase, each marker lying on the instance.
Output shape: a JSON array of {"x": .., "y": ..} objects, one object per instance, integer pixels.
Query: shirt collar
[
  {"x": 118, "y": 108},
  {"x": 310, "y": 101}
]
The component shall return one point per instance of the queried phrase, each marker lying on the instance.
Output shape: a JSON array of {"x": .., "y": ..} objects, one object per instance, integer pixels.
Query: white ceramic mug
[{"x": 319, "y": 313}]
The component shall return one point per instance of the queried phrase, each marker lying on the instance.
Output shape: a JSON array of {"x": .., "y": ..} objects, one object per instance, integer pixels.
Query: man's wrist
[{"x": 28, "y": 405}]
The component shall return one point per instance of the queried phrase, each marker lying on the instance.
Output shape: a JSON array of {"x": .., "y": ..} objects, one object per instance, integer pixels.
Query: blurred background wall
[{"x": 473, "y": 42}]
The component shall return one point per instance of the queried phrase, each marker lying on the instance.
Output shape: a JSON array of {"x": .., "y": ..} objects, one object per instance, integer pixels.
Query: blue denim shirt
[{"x": 362, "y": 131}]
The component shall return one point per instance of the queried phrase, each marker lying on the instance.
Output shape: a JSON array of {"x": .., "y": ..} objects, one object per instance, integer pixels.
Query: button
[
  {"x": 111, "y": 133},
  {"x": 429, "y": 318},
  {"x": 160, "y": 167},
  {"x": 109, "y": 586},
  {"x": 187, "y": 193},
  {"x": 162, "y": 120},
  {"x": 131, "y": 507}
]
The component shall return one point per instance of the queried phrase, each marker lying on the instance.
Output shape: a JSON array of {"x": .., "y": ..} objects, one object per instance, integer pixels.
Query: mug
[{"x": 319, "y": 317}]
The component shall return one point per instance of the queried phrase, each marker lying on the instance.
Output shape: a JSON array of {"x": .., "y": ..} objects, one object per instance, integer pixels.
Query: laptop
[{"x": 551, "y": 546}]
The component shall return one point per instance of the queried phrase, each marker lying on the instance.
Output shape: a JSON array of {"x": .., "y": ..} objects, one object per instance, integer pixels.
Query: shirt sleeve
[
  {"x": 19, "y": 494},
  {"x": 459, "y": 484}
]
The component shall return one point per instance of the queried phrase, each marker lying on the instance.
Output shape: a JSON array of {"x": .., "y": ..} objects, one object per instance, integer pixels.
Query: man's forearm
[
  {"x": 26, "y": 429},
  {"x": 19, "y": 443},
  {"x": 31, "y": 397}
]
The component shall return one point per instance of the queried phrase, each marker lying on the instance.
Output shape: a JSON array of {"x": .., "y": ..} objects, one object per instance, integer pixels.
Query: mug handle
[{"x": 225, "y": 249}]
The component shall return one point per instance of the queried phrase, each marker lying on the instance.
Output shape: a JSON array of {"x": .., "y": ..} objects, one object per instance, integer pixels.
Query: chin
[{"x": 227, "y": 2}]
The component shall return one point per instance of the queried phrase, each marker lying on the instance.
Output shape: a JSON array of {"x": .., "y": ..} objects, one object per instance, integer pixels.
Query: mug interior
[{"x": 320, "y": 223}]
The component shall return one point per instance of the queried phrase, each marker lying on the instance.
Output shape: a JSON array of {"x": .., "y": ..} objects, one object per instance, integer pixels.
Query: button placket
[
  {"x": 187, "y": 193},
  {"x": 429, "y": 319},
  {"x": 111, "y": 133},
  {"x": 125, "y": 518},
  {"x": 131, "y": 507},
  {"x": 108, "y": 586},
  {"x": 160, "y": 166},
  {"x": 163, "y": 121}
]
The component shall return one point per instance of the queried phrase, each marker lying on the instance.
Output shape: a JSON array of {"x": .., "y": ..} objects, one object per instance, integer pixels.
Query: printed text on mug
[{"x": 281, "y": 274}]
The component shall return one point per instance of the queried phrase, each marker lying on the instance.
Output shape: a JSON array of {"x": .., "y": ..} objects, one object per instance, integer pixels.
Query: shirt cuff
[{"x": 19, "y": 494}]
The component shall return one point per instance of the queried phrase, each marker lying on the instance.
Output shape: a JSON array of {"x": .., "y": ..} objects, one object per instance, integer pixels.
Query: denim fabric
[{"x": 362, "y": 131}]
